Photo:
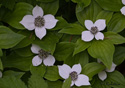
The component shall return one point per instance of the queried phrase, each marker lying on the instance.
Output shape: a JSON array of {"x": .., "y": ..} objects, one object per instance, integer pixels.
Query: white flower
[
  {"x": 102, "y": 75},
  {"x": 78, "y": 79},
  {"x": 0, "y": 74},
  {"x": 44, "y": 56},
  {"x": 39, "y": 22},
  {"x": 93, "y": 30},
  {"x": 123, "y": 8}
]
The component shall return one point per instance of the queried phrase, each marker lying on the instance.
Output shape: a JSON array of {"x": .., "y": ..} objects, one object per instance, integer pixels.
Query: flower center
[
  {"x": 39, "y": 21},
  {"x": 43, "y": 54},
  {"x": 74, "y": 75},
  {"x": 94, "y": 30}
]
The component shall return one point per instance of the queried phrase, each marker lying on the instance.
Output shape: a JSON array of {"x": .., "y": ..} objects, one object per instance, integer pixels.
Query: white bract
[
  {"x": 102, "y": 75},
  {"x": 39, "y": 22},
  {"x": 42, "y": 56},
  {"x": 0, "y": 74},
  {"x": 93, "y": 30},
  {"x": 123, "y": 8},
  {"x": 78, "y": 79}
]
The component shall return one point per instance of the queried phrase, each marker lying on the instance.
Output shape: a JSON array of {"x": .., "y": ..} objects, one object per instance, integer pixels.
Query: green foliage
[
  {"x": 119, "y": 55},
  {"x": 73, "y": 29},
  {"x": 67, "y": 83},
  {"x": 16, "y": 61},
  {"x": 6, "y": 35},
  {"x": 29, "y": 38},
  {"x": 39, "y": 70},
  {"x": 8, "y": 4},
  {"x": 37, "y": 82},
  {"x": 52, "y": 73},
  {"x": 50, "y": 8},
  {"x": 55, "y": 84},
  {"x": 81, "y": 46},
  {"x": 21, "y": 9},
  {"x": 111, "y": 5},
  {"x": 13, "y": 73},
  {"x": 63, "y": 50},
  {"x": 115, "y": 79},
  {"x": 11, "y": 82},
  {"x": 89, "y": 13},
  {"x": 60, "y": 24},
  {"x": 48, "y": 43},
  {"x": 114, "y": 37},
  {"x": 102, "y": 50},
  {"x": 63, "y": 42},
  {"x": 92, "y": 69},
  {"x": 117, "y": 23}
]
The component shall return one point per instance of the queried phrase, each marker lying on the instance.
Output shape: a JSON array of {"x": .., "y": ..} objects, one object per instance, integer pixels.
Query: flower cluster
[{"x": 54, "y": 45}]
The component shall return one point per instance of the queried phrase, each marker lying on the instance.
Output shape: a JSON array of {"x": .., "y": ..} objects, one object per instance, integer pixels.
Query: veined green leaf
[
  {"x": 11, "y": 82},
  {"x": 111, "y": 5},
  {"x": 119, "y": 55},
  {"x": 51, "y": 7},
  {"x": 89, "y": 13},
  {"x": 21, "y": 9},
  {"x": 37, "y": 82},
  {"x": 92, "y": 69},
  {"x": 114, "y": 37},
  {"x": 63, "y": 50},
  {"x": 52, "y": 73},
  {"x": 81, "y": 46},
  {"x": 67, "y": 83},
  {"x": 117, "y": 23},
  {"x": 103, "y": 50},
  {"x": 73, "y": 29},
  {"x": 8, "y": 38}
]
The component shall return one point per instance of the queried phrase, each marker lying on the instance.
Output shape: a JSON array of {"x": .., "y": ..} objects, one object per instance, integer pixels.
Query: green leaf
[
  {"x": 73, "y": 29},
  {"x": 114, "y": 37},
  {"x": 48, "y": 43},
  {"x": 92, "y": 69},
  {"x": 24, "y": 52},
  {"x": 102, "y": 50},
  {"x": 89, "y": 13},
  {"x": 6, "y": 35},
  {"x": 1, "y": 52},
  {"x": 67, "y": 83},
  {"x": 111, "y": 5},
  {"x": 11, "y": 82},
  {"x": 8, "y": 4},
  {"x": 81, "y": 58},
  {"x": 38, "y": 70},
  {"x": 81, "y": 46},
  {"x": 117, "y": 23},
  {"x": 119, "y": 55},
  {"x": 82, "y": 3},
  {"x": 1, "y": 65},
  {"x": 117, "y": 78},
  {"x": 13, "y": 73},
  {"x": 55, "y": 84},
  {"x": 45, "y": 0},
  {"x": 107, "y": 15},
  {"x": 52, "y": 73},
  {"x": 63, "y": 50},
  {"x": 37, "y": 82},
  {"x": 16, "y": 61},
  {"x": 60, "y": 24},
  {"x": 29, "y": 38},
  {"x": 20, "y": 10},
  {"x": 50, "y": 8}
]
